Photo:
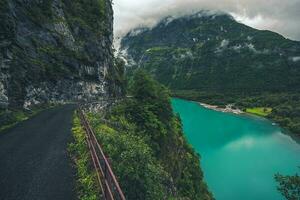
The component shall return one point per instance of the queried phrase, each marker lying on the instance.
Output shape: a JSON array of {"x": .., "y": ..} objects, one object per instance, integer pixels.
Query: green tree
[
  {"x": 289, "y": 186},
  {"x": 140, "y": 175},
  {"x": 150, "y": 111},
  {"x": 147, "y": 147}
]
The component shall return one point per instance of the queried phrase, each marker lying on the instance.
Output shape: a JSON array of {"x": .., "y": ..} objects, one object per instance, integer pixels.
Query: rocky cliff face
[{"x": 56, "y": 50}]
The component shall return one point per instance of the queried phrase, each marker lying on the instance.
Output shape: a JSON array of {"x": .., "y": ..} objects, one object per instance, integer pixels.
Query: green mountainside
[
  {"x": 213, "y": 52},
  {"x": 147, "y": 147},
  {"x": 212, "y": 58}
]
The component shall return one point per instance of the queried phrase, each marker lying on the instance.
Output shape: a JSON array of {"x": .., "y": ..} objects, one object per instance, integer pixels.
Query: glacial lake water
[{"x": 239, "y": 154}]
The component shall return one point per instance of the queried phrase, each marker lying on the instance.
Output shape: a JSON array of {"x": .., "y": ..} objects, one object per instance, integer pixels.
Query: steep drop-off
[
  {"x": 147, "y": 147},
  {"x": 56, "y": 50}
]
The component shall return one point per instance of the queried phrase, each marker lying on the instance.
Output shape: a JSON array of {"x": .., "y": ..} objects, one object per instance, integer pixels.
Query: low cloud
[{"x": 275, "y": 15}]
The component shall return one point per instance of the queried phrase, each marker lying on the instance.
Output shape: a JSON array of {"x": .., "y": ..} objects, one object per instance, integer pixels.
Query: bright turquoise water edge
[{"x": 239, "y": 154}]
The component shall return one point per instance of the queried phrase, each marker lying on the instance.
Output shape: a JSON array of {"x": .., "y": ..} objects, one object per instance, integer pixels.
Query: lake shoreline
[
  {"x": 228, "y": 109},
  {"x": 222, "y": 138}
]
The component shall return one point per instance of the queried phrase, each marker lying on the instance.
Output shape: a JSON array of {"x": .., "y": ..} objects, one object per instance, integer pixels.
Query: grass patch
[
  {"x": 85, "y": 177},
  {"x": 16, "y": 117},
  {"x": 10, "y": 118},
  {"x": 260, "y": 111}
]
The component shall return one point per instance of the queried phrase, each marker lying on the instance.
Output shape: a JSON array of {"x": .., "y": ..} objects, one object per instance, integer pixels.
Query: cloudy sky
[{"x": 282, "y": 16}]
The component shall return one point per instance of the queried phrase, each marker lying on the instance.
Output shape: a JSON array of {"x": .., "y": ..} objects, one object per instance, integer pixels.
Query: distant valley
[{"x": 210, "y": 57}]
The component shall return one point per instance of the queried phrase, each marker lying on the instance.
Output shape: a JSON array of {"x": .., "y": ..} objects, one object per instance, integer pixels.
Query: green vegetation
[
  {"x": 9, "y": 118},
  {"x": 116, "y": 78},
  {"x": 146, "y": 145},
  {"x": 289, "y": 186},
  {"x": 86, "y": 178},
  {"x": 139, "y": 173},
  {"x": 88, "y": 15},
  {"x": 3, "y": 9},
  {"x": 216, "y": 54},
  {"x": 260, "y": 111},
  {"x": 216, "y": 60},
  {"x": 40, "y": 12}
]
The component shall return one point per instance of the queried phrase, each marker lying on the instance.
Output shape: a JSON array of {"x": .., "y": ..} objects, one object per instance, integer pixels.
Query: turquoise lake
[{"x": 239, "y": 154}]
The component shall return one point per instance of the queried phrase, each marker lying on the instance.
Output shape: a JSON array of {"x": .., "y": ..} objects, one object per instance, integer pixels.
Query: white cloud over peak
[{"x": 275, "y": 15}]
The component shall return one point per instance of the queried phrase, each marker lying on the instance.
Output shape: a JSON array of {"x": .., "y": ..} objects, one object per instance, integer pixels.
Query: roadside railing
[{"x": 107, "y": 180}]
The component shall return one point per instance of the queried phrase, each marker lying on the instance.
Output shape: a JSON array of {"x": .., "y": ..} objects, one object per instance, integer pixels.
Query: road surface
[{"x": 34, "y": 162}]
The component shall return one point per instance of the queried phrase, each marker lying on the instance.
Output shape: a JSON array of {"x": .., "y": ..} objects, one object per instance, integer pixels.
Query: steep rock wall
[{"x": 56, "y": 50}]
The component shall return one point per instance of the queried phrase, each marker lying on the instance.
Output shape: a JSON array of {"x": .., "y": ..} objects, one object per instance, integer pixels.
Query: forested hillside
[
  {"x": 212, "y": 58},
  {"x": 147, "y": 147}
]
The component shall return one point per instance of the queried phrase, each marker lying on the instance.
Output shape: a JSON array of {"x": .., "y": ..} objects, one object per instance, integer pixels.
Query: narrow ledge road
[{"x": 34, "y": 162}]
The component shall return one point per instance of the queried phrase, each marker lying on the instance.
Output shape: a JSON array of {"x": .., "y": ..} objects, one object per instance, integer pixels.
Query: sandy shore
[{"x": 229, "y": 108}]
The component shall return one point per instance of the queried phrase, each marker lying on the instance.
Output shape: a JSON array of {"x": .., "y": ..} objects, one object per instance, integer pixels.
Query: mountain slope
[
  {"x": 210, "y": 51},
  {"x": 55, "y": 50},
  {"x": 147, "y": 147}
]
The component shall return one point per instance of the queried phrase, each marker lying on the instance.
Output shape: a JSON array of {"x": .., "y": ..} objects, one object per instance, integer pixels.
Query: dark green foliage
[
  {"x": 6, "y": 25},
  {"x": 214, "y": 59},
  {"x": 148, "y": 149},
  {"x": 3, "y": 11},
  {"x": 138, "y": 172},
  {"x": 39, "y": 11},
  {"x": 214, "y": 53},
  {"x": 289, "y": 186},
  {"x": 87, "y": 14},
  {"x": 9, "y": 118},
  {"x": 116, "y": 74}
]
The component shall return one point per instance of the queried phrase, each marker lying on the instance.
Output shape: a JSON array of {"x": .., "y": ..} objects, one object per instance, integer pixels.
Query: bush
[
  {"x": 86, "y": 178},
  {"x": 147, "y": 147},
  {"x": 289, "y": 186}
]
